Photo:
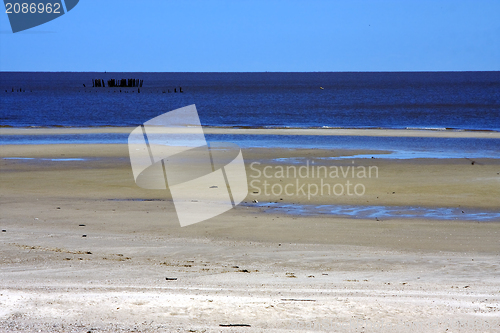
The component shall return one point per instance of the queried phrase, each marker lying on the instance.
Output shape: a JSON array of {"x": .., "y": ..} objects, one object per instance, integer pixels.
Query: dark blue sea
[{"x": 458, "y": 100}]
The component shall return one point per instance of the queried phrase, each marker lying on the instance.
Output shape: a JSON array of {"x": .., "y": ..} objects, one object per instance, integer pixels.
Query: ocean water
[
  {"x": 382, "y": 212},
  {"x": 457, "y": 100}
]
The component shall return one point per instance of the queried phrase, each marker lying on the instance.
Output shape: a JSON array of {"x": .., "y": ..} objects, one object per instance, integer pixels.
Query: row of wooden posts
[
  {"x": 98, "y": 84},
  {"x": 122, "y": 83}
]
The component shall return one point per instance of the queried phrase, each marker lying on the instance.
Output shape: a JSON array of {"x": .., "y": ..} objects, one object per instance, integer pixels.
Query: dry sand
[{"x": 273, "y": 271}]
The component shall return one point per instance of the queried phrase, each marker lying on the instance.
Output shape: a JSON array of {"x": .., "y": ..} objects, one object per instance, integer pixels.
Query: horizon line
[{"x": 405, "y": 71}]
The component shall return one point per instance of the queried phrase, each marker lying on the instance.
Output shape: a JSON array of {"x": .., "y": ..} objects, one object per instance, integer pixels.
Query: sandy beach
[{"x": 84, "y": 249}]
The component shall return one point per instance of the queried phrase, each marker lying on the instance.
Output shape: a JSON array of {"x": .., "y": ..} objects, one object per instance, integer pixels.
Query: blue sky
[{"x": 254, "y": 36}]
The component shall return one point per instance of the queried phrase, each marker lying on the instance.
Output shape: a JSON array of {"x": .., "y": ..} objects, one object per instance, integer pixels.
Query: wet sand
[
  {"x": 276, "y": 272},
  {"x": 422, "y": 133}
]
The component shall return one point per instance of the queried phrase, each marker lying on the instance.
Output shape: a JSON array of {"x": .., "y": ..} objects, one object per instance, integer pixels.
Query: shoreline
[
  {"x": 374, "y": 132},
  {"x": 427, "y": 182}
]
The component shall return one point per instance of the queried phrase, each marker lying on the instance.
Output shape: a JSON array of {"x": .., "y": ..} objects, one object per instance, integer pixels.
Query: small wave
[
  {"x": 271, "y": 127},
  {"x": 429, "y": 128},
  {"x": 46, "y": 159}
]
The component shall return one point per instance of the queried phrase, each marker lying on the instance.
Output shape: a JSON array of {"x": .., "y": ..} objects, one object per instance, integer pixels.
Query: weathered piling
[{"x": 122, "y": 83}]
